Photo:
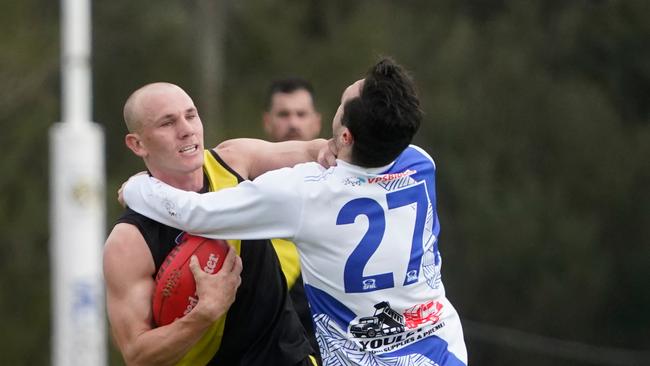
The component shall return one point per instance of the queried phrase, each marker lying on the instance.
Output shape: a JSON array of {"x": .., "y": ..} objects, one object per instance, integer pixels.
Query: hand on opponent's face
[{"x": 327, "y": 155}]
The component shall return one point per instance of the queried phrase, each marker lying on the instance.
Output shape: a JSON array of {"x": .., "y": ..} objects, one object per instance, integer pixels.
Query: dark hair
[
  {"x": 287, "y": 85},
  {"x": 384, "y": 117}
]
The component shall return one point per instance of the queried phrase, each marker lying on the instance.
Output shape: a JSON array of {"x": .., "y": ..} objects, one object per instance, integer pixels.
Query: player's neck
[
  {"x": 345, "y": 154},
  {"x": 192, "y": 181}
]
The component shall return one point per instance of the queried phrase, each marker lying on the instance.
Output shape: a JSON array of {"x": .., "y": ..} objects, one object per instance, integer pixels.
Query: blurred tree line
[{"x": 537, "y": 113}]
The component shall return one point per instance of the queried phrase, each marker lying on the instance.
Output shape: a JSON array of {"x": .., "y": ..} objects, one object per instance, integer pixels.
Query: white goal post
[{"x": 77, "y": 207}]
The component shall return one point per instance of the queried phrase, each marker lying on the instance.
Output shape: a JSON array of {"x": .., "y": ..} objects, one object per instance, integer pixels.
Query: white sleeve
[{"x": 269, "y": 207}]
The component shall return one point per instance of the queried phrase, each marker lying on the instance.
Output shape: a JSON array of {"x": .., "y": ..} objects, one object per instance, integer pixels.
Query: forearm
[
  {"x": 252, "y": 158},
  {"x": 165, "y": 345}
]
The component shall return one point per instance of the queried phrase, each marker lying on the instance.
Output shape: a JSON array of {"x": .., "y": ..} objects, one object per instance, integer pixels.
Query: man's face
[
  {"x": 292, "y": 116},
  {"x": 171, "y": 134}
]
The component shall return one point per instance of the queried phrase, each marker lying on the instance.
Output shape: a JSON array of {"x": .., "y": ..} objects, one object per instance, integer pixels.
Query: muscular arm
[
  {"x": 251, "y": 158},
  {"x": 128, "y": 271}
]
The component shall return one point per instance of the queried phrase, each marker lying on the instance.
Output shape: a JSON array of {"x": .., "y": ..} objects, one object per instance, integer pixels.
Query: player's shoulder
[
  {"x": 311, "y": 172},
  {"x": 125, "y": 244},
  {"x": 309, "y": 168},
  {"x": 289, "y": 178},
  {"x": 415, "y": 152},
  {"x": 124, "y": 234},
  {"x": 234, "y": 156}
]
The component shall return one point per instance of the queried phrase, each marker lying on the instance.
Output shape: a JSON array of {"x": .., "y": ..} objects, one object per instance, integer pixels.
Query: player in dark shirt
[{"x": 232, "y": 324}]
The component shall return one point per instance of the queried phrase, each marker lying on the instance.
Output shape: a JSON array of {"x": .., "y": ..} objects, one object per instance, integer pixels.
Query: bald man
[{"x": 243, "y": 316}]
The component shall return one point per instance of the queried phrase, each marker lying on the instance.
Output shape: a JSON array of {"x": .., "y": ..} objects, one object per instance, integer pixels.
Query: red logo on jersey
[
  {"x": 392, "y": 176},
  {"x": 422, "y": 313}
]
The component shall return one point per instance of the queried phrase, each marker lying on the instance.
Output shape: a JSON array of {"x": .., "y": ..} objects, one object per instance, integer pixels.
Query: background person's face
[{"x": 292, "y": 116}]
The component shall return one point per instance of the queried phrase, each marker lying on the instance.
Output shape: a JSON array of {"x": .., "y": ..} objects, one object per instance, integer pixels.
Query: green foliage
[{"x": 536, "y": 112}]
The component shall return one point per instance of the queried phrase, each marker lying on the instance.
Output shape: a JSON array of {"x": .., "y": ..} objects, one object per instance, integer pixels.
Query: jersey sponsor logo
[
  {"x": 412, "y": 276},
  {"x": 354, "y": 181},
  {"x": 392, "y": 176},
  {"x": 369, "y": 284},
  {"x": 380, "y": 179},
  {"x": 388, "y": 330},
  {"x": 338, "y": 349},
  {"x": 417, "y": 315}
]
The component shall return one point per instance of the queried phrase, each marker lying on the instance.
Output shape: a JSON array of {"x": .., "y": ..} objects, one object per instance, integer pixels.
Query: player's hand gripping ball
[{"x": 175, "y": 292}]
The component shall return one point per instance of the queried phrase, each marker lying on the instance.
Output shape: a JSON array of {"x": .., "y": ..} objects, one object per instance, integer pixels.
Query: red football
[{"x": 175, "y": 292}]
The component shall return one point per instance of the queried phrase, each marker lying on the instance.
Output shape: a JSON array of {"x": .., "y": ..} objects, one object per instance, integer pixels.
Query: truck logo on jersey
[
  {"x": 423, "y": 313},
  {"x": 385, "y": 321},
  {"x": 388, "y": 330}
]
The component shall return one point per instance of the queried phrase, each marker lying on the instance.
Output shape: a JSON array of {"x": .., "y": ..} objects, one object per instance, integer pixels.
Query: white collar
[{"x": 371, "y": 171}]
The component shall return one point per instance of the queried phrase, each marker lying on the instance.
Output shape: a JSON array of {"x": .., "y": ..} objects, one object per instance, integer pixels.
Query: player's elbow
[
  {"x": 132, "y": 356},
  {"x": 139, "y": 357}
]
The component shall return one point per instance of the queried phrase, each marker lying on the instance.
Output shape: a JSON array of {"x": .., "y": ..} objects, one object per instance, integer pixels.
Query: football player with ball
[{"x": 236, "y": 316}]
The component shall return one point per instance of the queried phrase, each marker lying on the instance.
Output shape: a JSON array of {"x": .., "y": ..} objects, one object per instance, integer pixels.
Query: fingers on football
[
  {"x": 232, "y": 267},
  {"x": 230, "y": 260},
  {"x": 195, "y": 267}
]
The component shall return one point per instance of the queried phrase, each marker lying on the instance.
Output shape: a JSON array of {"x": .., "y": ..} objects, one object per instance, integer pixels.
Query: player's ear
[
  {"x": 134, "y": 143},
  {"x": 346, "y": 136}
]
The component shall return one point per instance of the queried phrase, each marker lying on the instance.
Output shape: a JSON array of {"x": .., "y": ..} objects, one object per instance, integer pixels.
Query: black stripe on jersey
[{"x": 226, "y": 166}]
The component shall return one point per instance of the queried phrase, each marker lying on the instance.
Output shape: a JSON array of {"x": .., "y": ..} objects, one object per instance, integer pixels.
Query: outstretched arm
[
  {"x": 269, "y": 207},
  {"x": 252, "y": 158}
]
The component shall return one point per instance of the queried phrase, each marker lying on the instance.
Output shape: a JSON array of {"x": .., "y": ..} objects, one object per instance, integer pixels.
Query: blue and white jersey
[{"x": 368, "y": 244}]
